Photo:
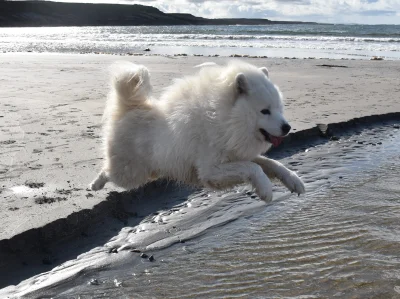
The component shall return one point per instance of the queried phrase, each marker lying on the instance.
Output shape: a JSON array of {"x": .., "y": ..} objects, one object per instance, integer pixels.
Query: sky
[{"x": 326, "y": 11}]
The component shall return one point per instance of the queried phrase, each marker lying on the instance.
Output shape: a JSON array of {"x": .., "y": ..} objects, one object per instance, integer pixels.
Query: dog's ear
[
  {"x": 241, "y": 84},
  {"x": 265, "y": 71}
]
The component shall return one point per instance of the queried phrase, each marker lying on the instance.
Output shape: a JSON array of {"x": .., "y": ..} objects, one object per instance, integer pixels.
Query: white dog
[{"x": 208, "y": 130}]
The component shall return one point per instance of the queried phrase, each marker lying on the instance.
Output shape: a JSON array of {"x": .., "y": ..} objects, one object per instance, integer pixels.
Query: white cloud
[
  {"x": 328, "y": 11},
  {"x": 343, "y": 11}
]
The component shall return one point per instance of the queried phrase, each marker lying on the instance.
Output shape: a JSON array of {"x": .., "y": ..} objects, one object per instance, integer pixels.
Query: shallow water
[
  {"x": 341, "y": 240},
  {"x": 279, "y": 40}
]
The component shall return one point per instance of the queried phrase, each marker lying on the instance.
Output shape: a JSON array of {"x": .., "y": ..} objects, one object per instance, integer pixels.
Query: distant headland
[{"x": 47, "y": 13}]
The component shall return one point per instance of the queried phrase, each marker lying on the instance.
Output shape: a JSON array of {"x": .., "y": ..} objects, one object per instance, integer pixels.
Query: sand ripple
[{"x": 340, "y": 240}]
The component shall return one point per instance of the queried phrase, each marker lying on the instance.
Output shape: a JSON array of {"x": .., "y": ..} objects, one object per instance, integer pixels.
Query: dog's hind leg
[{"x": 99, "y": 182}]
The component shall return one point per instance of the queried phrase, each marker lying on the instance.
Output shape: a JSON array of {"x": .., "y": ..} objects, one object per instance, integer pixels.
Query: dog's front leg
[
  {"x": 274, "y": 169},
  {"x": 229, "y": 174}
]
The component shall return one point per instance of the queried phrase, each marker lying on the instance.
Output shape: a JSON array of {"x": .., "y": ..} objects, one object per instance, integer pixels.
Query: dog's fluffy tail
[{"x": 130, "y": 89}]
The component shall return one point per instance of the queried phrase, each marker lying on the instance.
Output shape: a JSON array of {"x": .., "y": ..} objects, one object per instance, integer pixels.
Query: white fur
[{"x": 203, "y": 131}]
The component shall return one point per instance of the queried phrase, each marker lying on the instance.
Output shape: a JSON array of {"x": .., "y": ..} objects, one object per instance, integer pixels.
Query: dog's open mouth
[{"x": 270, "y": 138}]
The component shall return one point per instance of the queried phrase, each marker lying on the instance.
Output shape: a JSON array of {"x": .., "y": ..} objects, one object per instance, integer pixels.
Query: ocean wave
[
  {"x": 130, "y": 44},
  {"x": 333, "y": 33},
  {"x": 138, "y": 37},
  {"x": 148, "y": 37}
]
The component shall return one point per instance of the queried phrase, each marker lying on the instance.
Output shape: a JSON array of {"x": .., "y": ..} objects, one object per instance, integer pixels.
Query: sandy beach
[
  {"x": 50, "y": 124},
  {"x": 51, "y": 108}
]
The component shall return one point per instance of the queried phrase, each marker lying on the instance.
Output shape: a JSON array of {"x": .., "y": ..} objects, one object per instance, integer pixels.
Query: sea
[{"x": 335, "y": 41}]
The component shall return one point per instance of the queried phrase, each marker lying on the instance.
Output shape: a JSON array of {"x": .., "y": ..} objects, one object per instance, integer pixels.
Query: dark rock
[
  {"x": 334, "y": 138},
  {"x": 147, "y": 50},
  {"x": 151, "y": 258},
  {"x": 144, "y": 256},
  {"x": 94, "y": 282},
  {"x": 323, "y": 130},
  {"x": 113, "y": 250}
]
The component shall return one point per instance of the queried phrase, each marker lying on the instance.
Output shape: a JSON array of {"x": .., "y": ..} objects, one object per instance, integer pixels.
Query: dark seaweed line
[{"x": 74, "y": 224}]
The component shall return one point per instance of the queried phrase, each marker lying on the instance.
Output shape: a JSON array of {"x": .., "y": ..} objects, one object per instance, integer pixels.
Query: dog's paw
[
  {"x": 99, "y": 182},
  {"x": 93, "y": 186},
  {"x": 264, "y": 190},
  {"x": 96, "y": 185},
  {"x": 291, "y": 180}
]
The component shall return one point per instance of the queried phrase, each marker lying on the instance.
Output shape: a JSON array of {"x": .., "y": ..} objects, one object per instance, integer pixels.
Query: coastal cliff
[{"x": 47, "y": 13}]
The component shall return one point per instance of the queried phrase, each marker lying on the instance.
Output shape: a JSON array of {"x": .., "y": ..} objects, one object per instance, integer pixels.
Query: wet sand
[
  {"x": 340, "y": 239},
  {"x": 51, "y": 108},
  {"x": 340, "y": 235}
]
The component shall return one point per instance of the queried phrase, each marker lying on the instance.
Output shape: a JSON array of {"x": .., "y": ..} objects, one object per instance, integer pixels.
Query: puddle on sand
[{"x": 340, "y": 240}]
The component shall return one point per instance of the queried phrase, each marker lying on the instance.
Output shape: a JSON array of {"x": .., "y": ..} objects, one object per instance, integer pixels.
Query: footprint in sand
[
  {"x": 54, "y": 130},
  {"x": 14, "y": 130}
]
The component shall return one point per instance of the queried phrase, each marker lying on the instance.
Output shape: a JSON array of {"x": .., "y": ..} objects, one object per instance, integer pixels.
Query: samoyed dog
[{"x": 208, "y": 130}]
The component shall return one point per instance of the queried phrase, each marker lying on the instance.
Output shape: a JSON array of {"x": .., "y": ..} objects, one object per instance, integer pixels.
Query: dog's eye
[{"x": 265, "y": 111}]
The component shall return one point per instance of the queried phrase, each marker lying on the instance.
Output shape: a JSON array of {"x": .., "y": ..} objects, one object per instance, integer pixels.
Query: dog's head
[{"x": 258, "y": 106}]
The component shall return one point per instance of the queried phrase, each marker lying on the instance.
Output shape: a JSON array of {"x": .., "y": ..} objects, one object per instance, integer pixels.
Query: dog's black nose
[{"x": 285, "y": 128}]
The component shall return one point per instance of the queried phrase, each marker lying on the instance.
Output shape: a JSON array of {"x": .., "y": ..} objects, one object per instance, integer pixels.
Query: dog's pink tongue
[{"x": 275, "y": 140}]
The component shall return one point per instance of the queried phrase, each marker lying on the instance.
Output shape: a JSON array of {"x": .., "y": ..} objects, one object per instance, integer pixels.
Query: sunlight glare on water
[{"x": 279, "y": 40}]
